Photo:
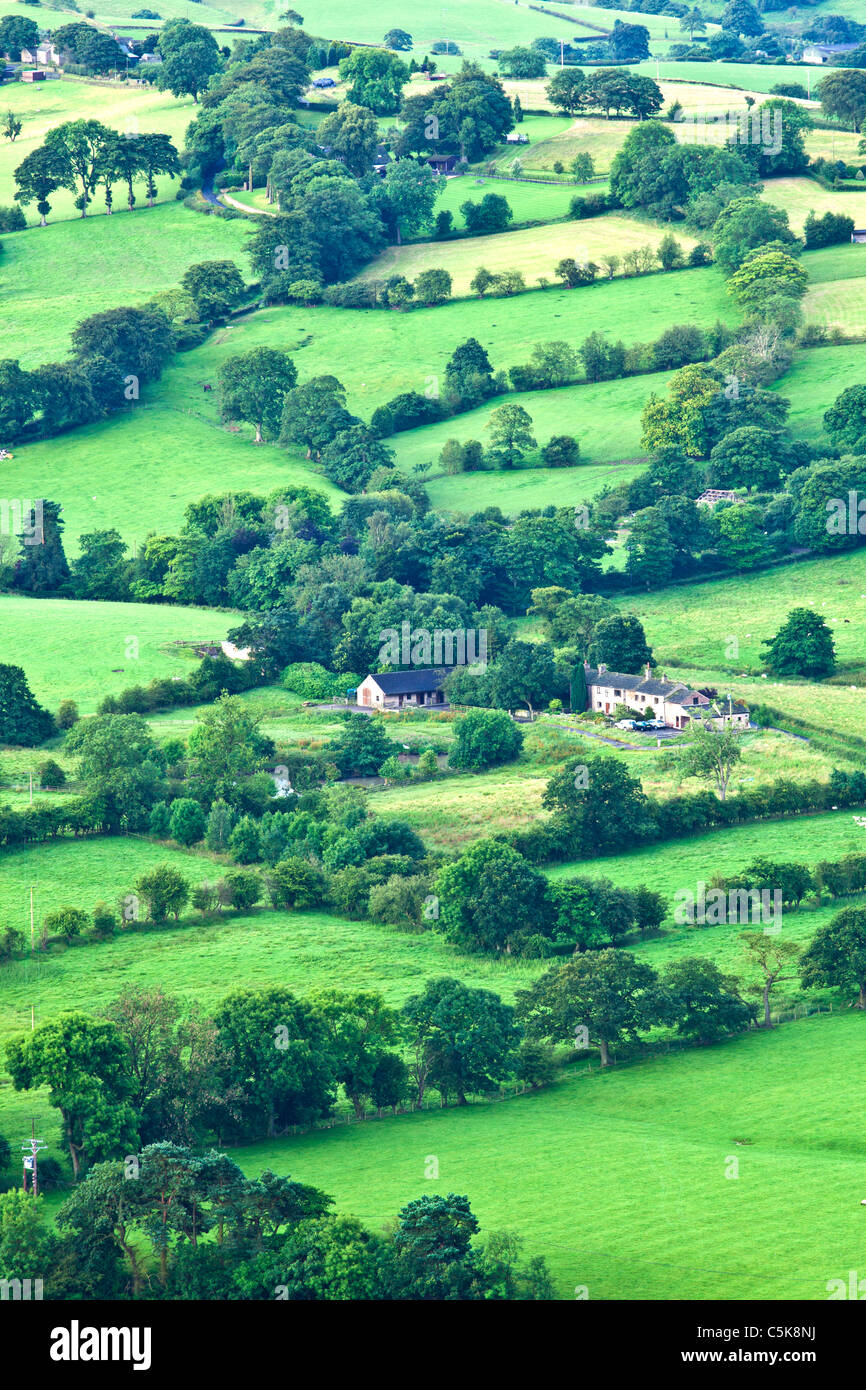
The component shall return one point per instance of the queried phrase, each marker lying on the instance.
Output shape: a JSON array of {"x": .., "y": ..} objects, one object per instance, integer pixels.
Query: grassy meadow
[
  {"x": 524, "y": 250},
  {"x": 55, "y": 276},
  {"x": 176, "y": 459},
  {"x": 83, "y": 651},
  {"x": 625, "y": 1181},
  {"x": 43, "y": 105},
  {"x": 381, "y": 353}
]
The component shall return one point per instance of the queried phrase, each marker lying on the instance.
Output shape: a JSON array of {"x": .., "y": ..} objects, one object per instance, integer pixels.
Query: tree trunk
[
  {"x": 258, "y": 433},
  {"x": 861, "y": 1002},
  {"x": 767, "y": 1021},
  {"x": 461, "y": 1099},
  {"x": 605, "y": 1055}
]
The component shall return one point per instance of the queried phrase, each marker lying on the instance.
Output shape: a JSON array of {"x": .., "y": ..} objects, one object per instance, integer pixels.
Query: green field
[
  {"x": 379, "y": 353},
  {"x": 147, "y": 465},
  {"x": 604, "y": 417},
  {"x": 44, "y": 105},
  {"x": 532, "y": 251},
  {"x": 53, "y": 277},
  {"x": 814, "y": 382},
  {"x": 620, "y": 1179},
  {"x": 83, "y": 651},
  {"x": 748, "y": 77},
  {"x": 453, "y": 813},
  {"x": 693, "y": 625},
  {"x": 524, "y": 488}
]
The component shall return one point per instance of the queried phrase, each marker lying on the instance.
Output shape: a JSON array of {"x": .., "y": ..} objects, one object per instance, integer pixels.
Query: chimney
[
  {"x": 648, "y": 670},
  {"x": 601, "y": 667}
]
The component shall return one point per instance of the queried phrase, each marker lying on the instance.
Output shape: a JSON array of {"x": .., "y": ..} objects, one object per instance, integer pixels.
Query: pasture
[
  {"x": 800, "y": 196},
  {"x": 524, "y": 488},
  {"x": 83, "y": 651},
  {"x": 624, "y": 1180},
  {"x": 532, "y": 252},
  {"x": 55, "y": 276},
  {"x": 147, "y": 464},
  {"x": 696, "y": 625},
  {"x": 453, "y": 813},
  {"x": 380, "y": 353},
  {"x": 41, "y": 106},
  {"x": 604, "y": 417},
  {"x": 813, "y": 383}
]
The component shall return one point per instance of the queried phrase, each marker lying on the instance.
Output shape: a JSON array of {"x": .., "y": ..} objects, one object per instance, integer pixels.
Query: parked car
[{"x": 625, "y": 724}]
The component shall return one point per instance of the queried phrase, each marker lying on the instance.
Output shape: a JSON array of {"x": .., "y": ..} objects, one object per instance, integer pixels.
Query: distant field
[
  {"x": 696, "y": 623},
  {"x": 83, "y": 651},
  {"x": 523, "y": 488},
  {"x": 814, "y": 382},
  {"x": 533, "y": 251},
  {"x": 621, "y": 1180},
  {"x": 799, "y": 196},
  {"x": 681, "y": 863},
  {"x": 204, "y": 962},
  {"x": 528, "y": 201},
  {"x": 44, "y": 105},
  {"x": 378, "y": 354},
  {"x": 837, "y": 287},
  {"x": 455, "y": 812},
  {"x": 146, "y": 465},
  {"x": 52, "y": 277},
  {"x": 603, "y": 416},
  {"x": 754, "y": 77}
]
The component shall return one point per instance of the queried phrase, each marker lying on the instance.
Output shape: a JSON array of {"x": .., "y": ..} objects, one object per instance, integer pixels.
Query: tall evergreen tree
[
  {"x": 22, "y": 721},
  {"x": 42, "y": 568}
]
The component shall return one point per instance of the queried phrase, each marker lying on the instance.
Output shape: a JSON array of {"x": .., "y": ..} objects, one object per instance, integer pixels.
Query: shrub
[
  {"x": 51, "y": 774},
  {"x": 67, "y": 714},
  {"x": 245, "y": 841},
  {"x": 560, "y": 451},
  {"x": 187, "y": 824},
  {"x": 67, "y": 922},
  {"x": 160, "y": 820},
  {"x": 296, "y": 885}
]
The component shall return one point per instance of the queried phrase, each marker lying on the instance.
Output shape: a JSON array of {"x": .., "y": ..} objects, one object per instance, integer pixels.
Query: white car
[{"x": 624, "y": 724}]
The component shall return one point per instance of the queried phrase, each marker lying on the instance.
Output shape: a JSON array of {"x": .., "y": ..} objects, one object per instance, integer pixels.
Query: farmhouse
[
  {"x": 442, "y": 163},
  {"x": 398, "y": 689},
  {"x": 859, "y": 235},
  {"x": 45, "y": 55},
  {"x": 826, "y": 52},
  {"x": 516, "y": 137},
  {"x": 714, "y": 495},
  {"x": 673, "y": 702}
]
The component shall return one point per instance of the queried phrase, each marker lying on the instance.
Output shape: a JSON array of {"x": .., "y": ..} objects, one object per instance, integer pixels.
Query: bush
[
  {"x": 560, "y": 451},
  {"x": 296, "y": 885},
  {"x": 12, "y": 219},
  {"x": 187, "y": 824},
  {"x": 160, "y": 820},
  {"x": 67, "y": 714},
  {"x": 51, "y": 774},
  {"x": 245, "y": 841},
  {"x": 485, "y": 738}
]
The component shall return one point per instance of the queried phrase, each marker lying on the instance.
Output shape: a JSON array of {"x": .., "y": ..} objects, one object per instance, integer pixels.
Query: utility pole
[
  {"x": 31, "y": 1150},
  {"x": 31, "y": 787},
  {"x": 562, "y": 53},
  {"x": 31, "y": 919}
]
